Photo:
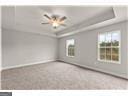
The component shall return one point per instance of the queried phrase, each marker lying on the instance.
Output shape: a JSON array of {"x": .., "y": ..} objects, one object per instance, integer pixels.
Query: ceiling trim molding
[
  {"x": 104, "y": 16},
  {"x": 9, "y": 29},
  {"x": 90, "y": 28},
  {"x": 116, "y": 19}
]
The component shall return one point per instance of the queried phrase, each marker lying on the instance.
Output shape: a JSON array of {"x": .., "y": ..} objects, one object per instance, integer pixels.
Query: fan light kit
[{"x": 55, "y": 20}]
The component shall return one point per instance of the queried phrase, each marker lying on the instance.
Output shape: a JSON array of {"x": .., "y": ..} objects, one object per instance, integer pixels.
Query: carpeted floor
[{"x": 58, "y": 75}]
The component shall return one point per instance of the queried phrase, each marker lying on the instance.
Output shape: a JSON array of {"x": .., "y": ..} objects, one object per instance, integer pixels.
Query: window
[
  {"x": 109, "y": 46},
  {"x": 70, "y": 48}
]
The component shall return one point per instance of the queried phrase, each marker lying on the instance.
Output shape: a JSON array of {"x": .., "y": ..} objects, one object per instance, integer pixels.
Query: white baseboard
[
  {"x": 22, "y": 65},
  {"x": 100, "y": 70}
]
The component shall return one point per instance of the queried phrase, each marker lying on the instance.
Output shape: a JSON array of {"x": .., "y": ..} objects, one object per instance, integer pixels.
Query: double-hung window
[
  {"x": 70, "y": 48},
  {"x": 109, "y": 46}
]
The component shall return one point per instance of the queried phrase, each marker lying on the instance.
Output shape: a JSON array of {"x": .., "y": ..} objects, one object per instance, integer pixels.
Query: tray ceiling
[{"x": 29, "y": 18}]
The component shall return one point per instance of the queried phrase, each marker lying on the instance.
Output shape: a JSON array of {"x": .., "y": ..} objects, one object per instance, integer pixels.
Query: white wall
[
  {"x": 86, "y": 50},
  {"x": 127, "y": 44},
  {"x": 127, "y": 48},
  {"x": 20, "y": 48},
  {"x": 0, "y": 47}
]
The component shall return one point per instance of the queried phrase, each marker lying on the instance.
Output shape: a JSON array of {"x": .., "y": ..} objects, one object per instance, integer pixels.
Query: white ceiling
[{"x": 29, "y": 18}]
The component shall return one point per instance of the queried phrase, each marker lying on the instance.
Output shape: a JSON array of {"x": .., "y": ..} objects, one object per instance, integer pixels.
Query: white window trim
[
  {"x": 67, "y": 48},
  {"x": 109, "y": 61}
]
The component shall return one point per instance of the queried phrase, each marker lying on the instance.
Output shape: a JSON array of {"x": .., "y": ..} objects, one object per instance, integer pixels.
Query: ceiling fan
[{"x": 55, "y": 20}]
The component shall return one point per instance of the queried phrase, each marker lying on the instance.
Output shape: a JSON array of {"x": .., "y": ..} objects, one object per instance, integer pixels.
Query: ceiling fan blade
[
  {"x": 47, "y": 16},
  {"x": 63, "y": 25},
  {"x": 63, "y": 18},
  {"x": 44, "y": 23},
  {"x": 55, "y": 27}
]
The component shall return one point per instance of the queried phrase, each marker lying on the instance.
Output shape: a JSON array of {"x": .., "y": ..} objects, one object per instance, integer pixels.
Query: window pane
[
  {"x": 102, "y": 39},
  {"x": 115, "y": 54},
  {"x": 115, "y": 39},
  {"x": 102, "y": 57},
  {"x": 102, "y": 51},
  {"x": 115, "y": 57},
  {"x": 69, "y": 51},
  {"x": 108, "y": 39},
  {"x": 70, "y": 47},
  {"x": 108, "y": 51},
  {"x": 73, "y": 52},
  {"x": 108, "y": 57},
  {"x": 115, "y": 51}
]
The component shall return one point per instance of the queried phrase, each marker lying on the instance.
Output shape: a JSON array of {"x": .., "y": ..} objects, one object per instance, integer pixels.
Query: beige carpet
[{"x": 58, "y": 75}]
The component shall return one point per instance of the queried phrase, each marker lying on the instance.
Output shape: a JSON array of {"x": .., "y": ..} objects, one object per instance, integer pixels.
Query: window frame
[
  {"x": 119, "y": 47},
  {"x": 67, "y": 48}
]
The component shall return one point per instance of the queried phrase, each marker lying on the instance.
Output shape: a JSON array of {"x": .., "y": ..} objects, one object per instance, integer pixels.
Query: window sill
[
  {"x": 71, "y": 56},
  {"x": 112, "y": 62}
]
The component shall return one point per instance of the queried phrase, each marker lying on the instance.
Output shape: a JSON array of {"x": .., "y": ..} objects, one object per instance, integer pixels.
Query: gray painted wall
[
  {"x": 20, "y": 48},
  {"x": 86, "y": 50}
]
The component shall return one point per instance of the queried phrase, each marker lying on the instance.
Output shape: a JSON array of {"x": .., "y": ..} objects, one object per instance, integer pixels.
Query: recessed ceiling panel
[{"x": 31, "y": 17}]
